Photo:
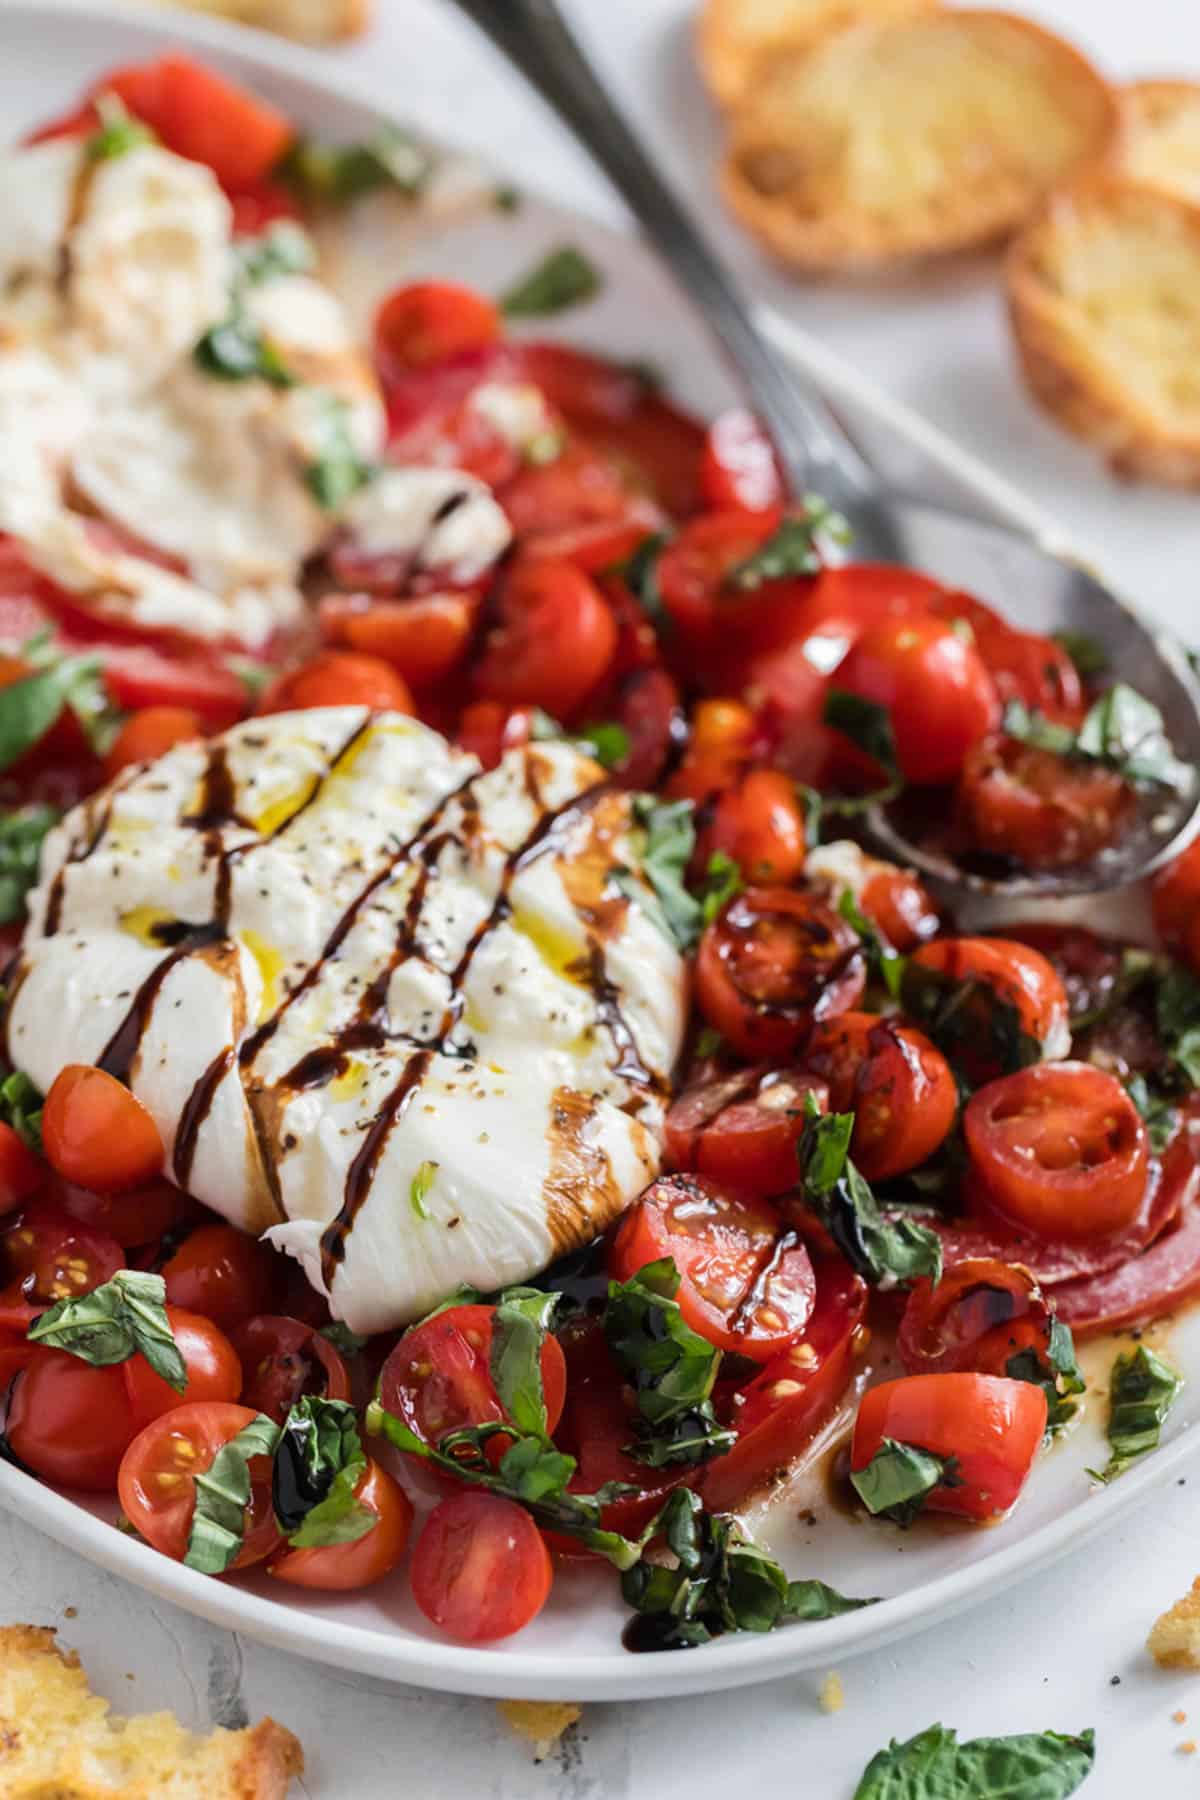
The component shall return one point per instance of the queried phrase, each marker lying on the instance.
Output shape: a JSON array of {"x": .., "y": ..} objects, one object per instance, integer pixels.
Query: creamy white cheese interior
[{"x": 335, "y": 960}]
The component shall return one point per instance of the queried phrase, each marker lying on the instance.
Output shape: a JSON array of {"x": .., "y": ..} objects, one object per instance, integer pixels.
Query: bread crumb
[
  {"x": 70, "y": 1612},
  {"x": 541, "y": 1722},
  {"x": 1188, "y": 1747},
  {"x": 832, "y": 1696},
  {"x": 1174, "y": 1641},
  {"x": 1179, "y": 1717}
]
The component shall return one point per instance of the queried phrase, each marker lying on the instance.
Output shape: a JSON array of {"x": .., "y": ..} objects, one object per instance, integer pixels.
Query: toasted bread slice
[
  {"x": 1104, "y": 292},
  {"x": 913, "y": 137},
  {"x": 1160, "y": 135},
  {"x": 1174, "y": 1640},
  {"x": 734, "y": 36},
  {"x": 59, "y": 1742},
  {"x": 312, "y": 21}
]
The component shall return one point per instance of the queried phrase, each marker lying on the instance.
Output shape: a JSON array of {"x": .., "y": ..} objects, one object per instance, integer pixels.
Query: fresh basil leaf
[
  {"x": 609, "y": 743},
  {"x": 1035, "y": 729},
  {"x": 899, "y": 1478},
  {"x": 886, "y": 963},
  {"x": 640, "y": 575},
  {"x": 670, "y": 839},
  {"x": 935, "y": 1766},
  {"x": 218, "y": 1526},
  {"x": 21, "y": 1107},
  {"x": 339, "y": 471},
  {"x": 113, "y": 1322},
  {"x": 813, "y": 1600},
  {"x": 339, "y": 173},
  {"x": 463, "y": 1295},
  {"x": 519, "y": 1326},
  {"x": 1087, "y": 653},
  {"x": 709, "y": 1042},
  {"x": 969, "y": 1021},
  {"x": 118, "y": 132},
  {"x": 319, "y": 1462},
  {"x": 794, "y": 548},
  {"x": 671, "y": 1368},
  {"x": 29, "y": 707},
  {"x": 22, "y": 834},
  {"x": 285, "y": 248},
  {"x": 1142, "y": 1390},
  {"x": 419, "y": 1187},
  {"x": 344, "y": 1341},
  {"x": 884, "y": 1249},
  {"x": 563, "y": 279},
  {"x": 1123, "y": 730},
  {"x": 869, "y": 726},
  {"x": 722, "y": 880},
  {"x": 1056, "y": 1372},
  {"x": 1177, "y": 1018},
  {"x": 237, "y": 350},
  {"x": 1159, "y": 1116}
]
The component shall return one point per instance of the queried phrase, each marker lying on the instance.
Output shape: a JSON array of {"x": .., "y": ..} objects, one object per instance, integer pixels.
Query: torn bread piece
[
  {"x": 1104, "y": 293},
  {"x": 1159, "y": 144},
  {"x": 542, "y": 1723},
  {"x": 734, "y": 38},
  {"x": 1174, "y": 1641},
  {"x": 910, "y": 138},
  {"x": 58, "y": 1738},
  {"x": 311, "y": 21}
]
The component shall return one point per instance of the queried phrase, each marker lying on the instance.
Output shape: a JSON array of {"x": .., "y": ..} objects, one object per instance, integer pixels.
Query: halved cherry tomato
[
  {"x": 554, "y": 507},
  {"x": 138, "y": 1216},
  {"x": 659, "y": 450},
  {"x": 1176, "y": 901},
  {"x": 1060, "y": 1148},
  {"x": 760, "y": 824},
  {"x": 991, "y": 1426},
  {"x": 339, "y": 678},
  {"x": 427, "y": 322},
  {"x": 221, "y": 1272},
  {"x": 46, "y": 1256},
  {"x": 22, "y": 1174},
  {"x": 1024, "y": 665},
  {"x": 149, "y": 734},
  {"x": 1088, "y": 965},
  {"x": 935, "y": 688},
  {"x": 771, "y": 965},
  {"x": 200, "y": 114},
  {"x": 487, "y": 729},
  {"x": 157, "y": 1482},
  {"x": 597, "y": 1428},
  {"x": 69, "y": 1422},
  {"x": 213, "y": 1369},
  {"x": 780, "y": 1412},
  {"x": 706, "y": 607},
  {"x": 480, "y": 1568},
  {"x": 647, "y": 708},
  {"x": 739, "y": 466},
  {"x": 423, "y": 638},
  {"x": 553, "y": 639},
  {"x": 746, "y": 1282},
  {"x": 744, "y": 1128},
  {"x": 438, "y": 1377},
  {"x": 1000, "y": 992},
  {"x": 259, "y": 204},
  {"x": 980, "y": 1315},
  {"x": 895, "y": 1082},
  {"x": 900, "y": 905},
  {"x": 340, "y": 1568},
  {"x": 282, "y": 1359},
  {"x": 97, "y": 1134},
  {"x": 1038, "y": 809},
  {"x": 722, "y": 739}
]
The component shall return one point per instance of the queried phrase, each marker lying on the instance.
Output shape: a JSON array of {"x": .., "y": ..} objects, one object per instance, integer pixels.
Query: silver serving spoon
[{"x": 1030, "y": 587}]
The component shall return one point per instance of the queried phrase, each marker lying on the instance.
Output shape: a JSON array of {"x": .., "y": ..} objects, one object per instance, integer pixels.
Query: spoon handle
[{"x": 812, "y": 448}]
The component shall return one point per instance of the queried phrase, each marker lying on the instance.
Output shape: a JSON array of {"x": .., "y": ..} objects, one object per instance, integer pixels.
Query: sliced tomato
[
  {"x": 223, "y": 1273},
  {"x": 47, "y": 1256},
  {"x": 424, "y": 638},
  {"x": 771, "y": 965},
  {"x": 1024, "y": 665},
  {"x": 488, "y": 729},
  {"x": 149, "y": 734},
  {"x": 1060, "y": 1149},
  {"x": 746, "y": 1282},
  {"x": 933, "y": 685},
  {"x": 283, "y": 1359},
  {"x": 743, "y": 1128},
  {"x": 987, "y": 995},
  {"x": 659, "y": 449},
  {"x": 896, "y": 1083},
  {"x": 97, "y": 1134},
  {"x": 553, "y": 639},
  {"x": 157, "y": 1479},
  {"x": 582, "y": 488},
  {"x": 779, "y": 1413},
  {"x": 427, "y": 322},
  {"x": 597, "y": 1428},
  {"x": 202, "y": 115},
  {"x": 22, "y": 1174},
  {"x": 739, "y": 468},
  {"x": 990, "y": 1426},
  {"x": 760, "y": 825},
  {"x": 480, "y": 1568},
  {"x": 901, "y": 906},
  {"x": 342, "y": 1568},
  {"x": 213, "y": 1369},
  {"x": 980, "y": 1315},
  {"x": 1037, "y": 809},
  {"x": 69, "y": 1422},
  {"x": 1088, "y": 965}
]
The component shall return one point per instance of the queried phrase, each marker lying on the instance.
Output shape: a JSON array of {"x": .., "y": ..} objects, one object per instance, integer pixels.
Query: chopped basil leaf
[
  {"x": 238, "y": 350},
  {"x": 709, "y": 1041},
  {"x": 1123, "y": 731},
  {"x": 319, "y": 1462},
  {"x": 1087, "y": 653},
  {"x": 869, "y": 726},
  {"x": 968, "y": 1021},
  {"x": 285, "y": 248},
  {"x": 883, "y": 1250},
  {"x": 563, "y": 279},
  {"x": 1142, "y": 1390},
  {"x": 670, "y": 840},
  {"x": 670, "y": 1367},
  {"x": 1177, "y": 1017},
  {"x": 1035, "y": 729},
  {"x": 29, "y": 707},
  {"x": 113, "y": 1322},
  {"x": 22, "y": 834},
  {"x": 507, "y": 199},
  {"x": 254, "y": 676},
  {"x": 935, "y": 1766},
  {"x": 722, "y": 880},
  {"x": 794, "y": 548},
  {"x": 640, "y": 575},
  {"x": 885, "y": 962},
  {"x": 21, "y": 1107},
  {"x": 609, "y": 744},
  {"x": 118, "y": 133},
  {"x": 900, "y": 1478},
  {"x": 339, "y": 173},
  {"x": 222, "y": 1495},
  {"x": 1056, "y": 1373},
  {"x": 344, "y": 1341},
  {"x": 339, "y": 471},
  {"x": 1159, "y": 1116},
  {"x": 519, "y": 1326},
  {"x": 420, "y": 1185}
]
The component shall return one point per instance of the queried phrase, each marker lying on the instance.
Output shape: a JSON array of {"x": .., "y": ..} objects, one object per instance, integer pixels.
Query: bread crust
[
  {"x": 1174, "y": 1640},
  {"x": 1113, "y": 358},
  {"x": 913, "y": 138},
  {"x": 1159, "y": 139},
  {"x": 733, "y": 37},
  {"x": 309, "y": 21}
]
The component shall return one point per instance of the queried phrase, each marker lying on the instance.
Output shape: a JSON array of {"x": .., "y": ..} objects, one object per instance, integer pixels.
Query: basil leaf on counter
[
  {"x": 899, "y": 1479},
  {"x": 935, "y": 1766},
  {"x": 722, "y": 880},
  {"x": 21, "y": 1107},
  {"x": 419, "y": 1187},
  {"x": 670, "y": 830},
  {"x": 113, "y": 1322},
  {"x": 1142, "y": 1390},
  {"x": 319, "y": 1461},
  {"x": 793, "y": 549},
  {"x": 565, "y": 278},
  {"x": 339, "y": 173},
  {"x": 886, "y": 963},
  {"x": 884, "y": 1250},
  {"x": 671, "y": 1368},
  {"x": 218, "y": 1527},
  {"x": 1056, "y": 1373},
  {"x": 22, "y": 834},
  {"x": 522, "y": 1318},
  {"x": 1123, "y": 730}
]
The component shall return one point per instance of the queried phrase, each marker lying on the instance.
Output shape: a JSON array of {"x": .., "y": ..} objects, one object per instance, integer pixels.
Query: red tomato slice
[
  {"x": 201, "y": 115},
  {"x": 427, "y": 322},
  {"x": 744, "y": 1128},
  {"x": 771, "y": 965},
  {"x": 480, "y": 1569},
  {"x": 935, "y": 688},
  {"x": 552, "y": 642},
  {"x": 22, "y": 1174},
  {"x": 992, "y": 1427},
  {"x": 1037, "y": 809},
  {"x": 1009, "y": 988},
  {"x": 424, "y": 638},
  {"x": 97, "y": 1134},
  {"x": 47, "y": 1256},
  {"x": 1060, "y": 1149},
  {"x": 284, "y": 1358},
  {"x": 157, "y": 1484},
  {"x": 739, "y": 466},
  {"x": 746, "y": 1282},
  {"x": 710, "y": 613},
  {"x": 213, "y": 1369},
  {"x": 895, "y": 1082},
  {"x": 760, "y": 826},
  {"x": 778, "y": 1414},
  {"x": 980, "y": 1314},
  {"x": 69, "y": 1422},
  {"x": 1089, "y": 966},
  {"x": 341, "y": 1568},
  {"x": 596, "y": 1428}
]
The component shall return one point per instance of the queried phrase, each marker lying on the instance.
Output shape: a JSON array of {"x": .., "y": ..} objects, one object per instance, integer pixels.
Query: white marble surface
[{"x": 1046, "y": 1654}]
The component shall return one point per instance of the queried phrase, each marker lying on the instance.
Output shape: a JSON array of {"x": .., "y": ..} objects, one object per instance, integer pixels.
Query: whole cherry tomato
[
  {"x": 480, "y": 1568},
  {"x": 760, "y": 825},
  {"x": 213, "y": 1369},
  {"x": 422, "y": 638},
  {"x": 221, "y": 1272},
  {"x": 431, "y": 321},
  {"x": 896, "y": 1083},
  {"x": 992, "y": 1427},
  {"x": 69, "y": 1422},
  {"x": 739, "y": 467},
  {"x": 934, "y": 687},
  {"x": 339, "y": 678},
  {"x": 552, "y": 642},
  {"x": 771, "y": 965},
  {"x": 157, "y": 1479},
  {"x": 97, "y": 1134}
]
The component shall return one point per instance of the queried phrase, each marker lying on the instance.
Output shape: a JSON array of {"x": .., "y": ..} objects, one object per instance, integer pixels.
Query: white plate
[{"x": 47, "y": 54}]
